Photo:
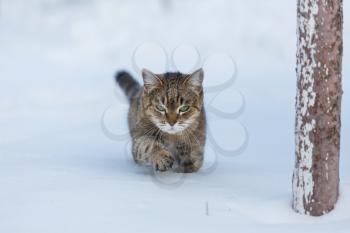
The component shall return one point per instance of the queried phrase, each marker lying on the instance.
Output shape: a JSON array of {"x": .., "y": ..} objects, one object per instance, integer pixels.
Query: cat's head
[{"x": 173, "y": 101}]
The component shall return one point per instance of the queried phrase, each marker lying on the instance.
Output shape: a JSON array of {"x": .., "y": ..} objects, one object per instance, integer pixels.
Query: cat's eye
[
  {"x": 160, "y": 108},
  {"x": 184, "y": 108}
]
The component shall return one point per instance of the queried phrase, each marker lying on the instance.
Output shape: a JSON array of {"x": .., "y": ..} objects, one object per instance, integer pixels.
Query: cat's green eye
[
  {"x": 160, "y": 108},
  {"x": 184, "y": 108}
]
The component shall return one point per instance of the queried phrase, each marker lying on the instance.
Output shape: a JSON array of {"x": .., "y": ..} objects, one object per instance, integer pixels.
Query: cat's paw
[
  {"x": 188, "y": 167},
  {"x": 163, "y": 161}
]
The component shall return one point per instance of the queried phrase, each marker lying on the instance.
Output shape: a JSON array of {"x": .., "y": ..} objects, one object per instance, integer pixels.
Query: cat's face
[{"x": 173, "y": 101}]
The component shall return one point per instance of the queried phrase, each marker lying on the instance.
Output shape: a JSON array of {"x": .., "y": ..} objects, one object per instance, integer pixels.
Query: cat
[{"x": 166, "y": 119}]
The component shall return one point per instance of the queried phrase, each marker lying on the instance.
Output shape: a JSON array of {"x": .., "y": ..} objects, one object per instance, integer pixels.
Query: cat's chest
[{"x": 174, "y": 144}]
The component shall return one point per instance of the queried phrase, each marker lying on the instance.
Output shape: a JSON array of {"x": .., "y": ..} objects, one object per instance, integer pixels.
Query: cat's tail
[{"x": 128, "y": 84}]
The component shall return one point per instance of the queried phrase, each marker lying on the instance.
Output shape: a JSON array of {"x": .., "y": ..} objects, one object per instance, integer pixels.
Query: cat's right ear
[{"x": 150, "y": 80}]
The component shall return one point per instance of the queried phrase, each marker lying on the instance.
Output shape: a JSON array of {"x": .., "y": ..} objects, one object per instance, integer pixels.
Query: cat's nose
[{"x": 172, "y": 118}]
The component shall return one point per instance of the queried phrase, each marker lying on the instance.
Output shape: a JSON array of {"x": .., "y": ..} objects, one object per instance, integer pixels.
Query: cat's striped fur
[{"x": 166, "y": 119}]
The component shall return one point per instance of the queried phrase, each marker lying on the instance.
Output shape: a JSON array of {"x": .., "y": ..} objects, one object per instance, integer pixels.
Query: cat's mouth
[{"x": 171, "y": 129}]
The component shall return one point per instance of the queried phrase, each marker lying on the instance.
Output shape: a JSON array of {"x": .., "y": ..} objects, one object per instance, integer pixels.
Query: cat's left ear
[{"x": 195, "y": 80}]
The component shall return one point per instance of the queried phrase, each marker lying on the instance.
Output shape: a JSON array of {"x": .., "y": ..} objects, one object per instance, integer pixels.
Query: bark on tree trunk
[{"x": 318, "y": 105}]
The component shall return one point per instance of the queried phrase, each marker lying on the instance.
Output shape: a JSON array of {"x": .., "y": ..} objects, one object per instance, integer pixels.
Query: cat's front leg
[
  {"x": 162, "y": 160},
  {"x": 190, "y": 165},
  {"x": 147, "y": 151},
  {"x": 189, "y": 160}
]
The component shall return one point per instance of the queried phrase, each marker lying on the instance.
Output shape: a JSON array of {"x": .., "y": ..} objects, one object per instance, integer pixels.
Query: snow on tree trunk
[{"x": 318, "y": 104}]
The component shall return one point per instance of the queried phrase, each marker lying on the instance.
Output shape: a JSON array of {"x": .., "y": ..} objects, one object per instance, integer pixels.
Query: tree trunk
[{"x": 318, "y": 105}]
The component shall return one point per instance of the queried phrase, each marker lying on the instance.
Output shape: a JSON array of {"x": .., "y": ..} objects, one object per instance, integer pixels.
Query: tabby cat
[{"x": 166, "y": 119}]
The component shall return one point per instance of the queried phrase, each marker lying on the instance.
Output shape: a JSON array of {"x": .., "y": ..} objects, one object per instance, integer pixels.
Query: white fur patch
[{"x": 176, "y": 128}]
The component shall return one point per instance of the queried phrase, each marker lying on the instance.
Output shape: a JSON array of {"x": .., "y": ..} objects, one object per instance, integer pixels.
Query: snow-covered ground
[{"x": 60, "y": 172}]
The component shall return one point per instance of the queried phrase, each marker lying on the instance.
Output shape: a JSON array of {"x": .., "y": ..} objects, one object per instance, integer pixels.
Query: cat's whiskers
[{"x": 191, "y": 135}]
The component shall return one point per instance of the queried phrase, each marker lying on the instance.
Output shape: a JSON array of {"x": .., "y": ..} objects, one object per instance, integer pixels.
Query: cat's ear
[
  {"x": 195, "y": 80},
  {"x": 150, "y": 80}
]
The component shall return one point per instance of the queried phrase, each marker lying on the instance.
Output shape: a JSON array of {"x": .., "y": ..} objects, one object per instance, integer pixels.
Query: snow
[{"x": 60, "y": 172}]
